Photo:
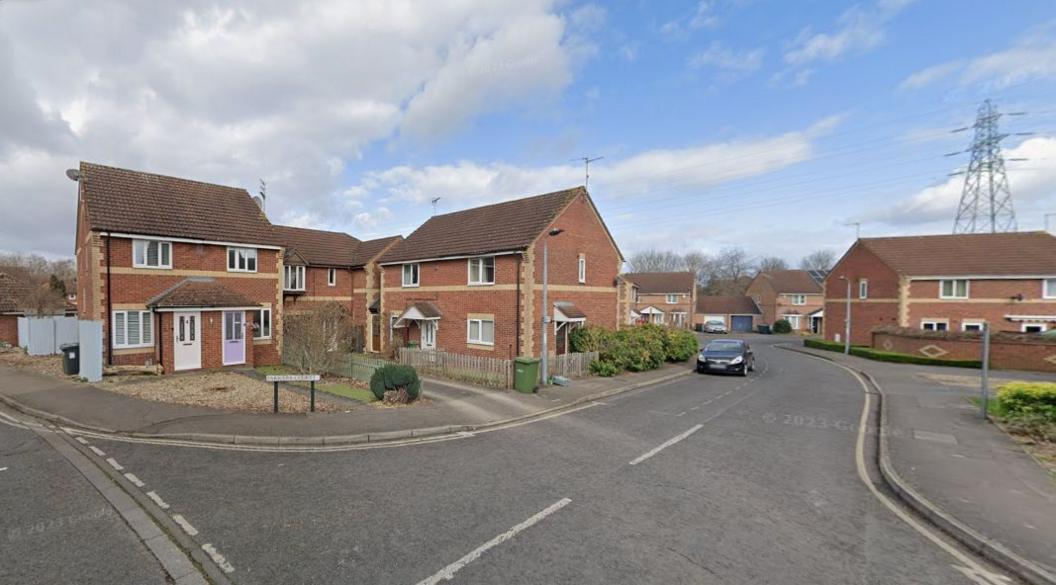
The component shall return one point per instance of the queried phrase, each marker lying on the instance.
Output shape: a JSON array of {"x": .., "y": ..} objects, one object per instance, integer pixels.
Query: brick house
[
  {"x": 182, "y": 273},
  {"x": 737, "y": 312},
  {"x": 322, "y": 267},
  {"x": 944, "y": 283},
  {"x": 792, "y": 295},
  {"x": 14, "y": 293},
  {"x": 470, "y": 282},
  {"x": 665, "y": 298}
]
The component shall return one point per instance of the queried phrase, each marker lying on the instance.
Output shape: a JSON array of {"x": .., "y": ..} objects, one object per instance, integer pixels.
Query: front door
[
  {"x": 234, "y": 338},
  {"x": 428, "y": 334},
  {"x": 187, "y": 348}
]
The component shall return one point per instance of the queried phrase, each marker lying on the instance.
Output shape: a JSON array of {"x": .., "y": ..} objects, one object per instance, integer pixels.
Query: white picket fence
[
  {"x": 44, "y": 335},
  {"x": 494, "y": 372},
  {"x": 571, "y": 365}
]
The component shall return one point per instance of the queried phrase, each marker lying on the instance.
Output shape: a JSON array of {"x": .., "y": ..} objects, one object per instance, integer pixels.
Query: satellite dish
[{"x": 73, "y": 174}]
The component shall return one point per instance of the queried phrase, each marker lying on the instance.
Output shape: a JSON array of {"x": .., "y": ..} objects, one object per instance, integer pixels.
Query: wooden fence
[
  {"x": 571, "y": 365},
  {"x": 497, "y": 373},
  {"x": 357, "y": 366}
]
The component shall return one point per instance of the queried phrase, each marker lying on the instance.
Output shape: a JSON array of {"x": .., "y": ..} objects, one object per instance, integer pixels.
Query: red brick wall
[
  {"x": 1009, "y": 352},
  {"x": 989, "y": 300},
  {"x": 9, "y": 329},
  {"x": 880, "y": 309}
]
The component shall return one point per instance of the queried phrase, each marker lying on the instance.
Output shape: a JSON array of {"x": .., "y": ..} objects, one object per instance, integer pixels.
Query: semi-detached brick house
[
  {"x": 944, "y": 283},
  {"x": 182, "y": 273},
  {"x": 792, "y": 295},
  {"x": 665, "y": 298},
  {"x": 470, "y": 282},
  {"x": 334, "y": 267}
]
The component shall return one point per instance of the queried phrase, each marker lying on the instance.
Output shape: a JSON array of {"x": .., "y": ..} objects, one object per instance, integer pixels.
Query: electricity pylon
[{"x": 986, "y": 200}]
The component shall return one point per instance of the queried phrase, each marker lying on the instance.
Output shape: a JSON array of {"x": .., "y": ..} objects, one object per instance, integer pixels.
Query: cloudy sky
[{"x": 720, "y": 122}]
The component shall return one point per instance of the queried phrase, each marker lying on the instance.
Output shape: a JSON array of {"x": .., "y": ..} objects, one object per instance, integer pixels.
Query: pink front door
[{"x": 234, "y": 338}]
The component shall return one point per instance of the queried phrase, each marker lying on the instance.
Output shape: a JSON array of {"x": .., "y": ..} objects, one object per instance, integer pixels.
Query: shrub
[
  {"x": 395, "y": 377},
  {"x": 680, "y": 345},
  {"x": 905, "y": 358},
  {"x": 604, "y": 368},
  {"x": 782, "y": 326},
  {"x": 640, "y": 348},
  {"x": 1028, "y": 398},
  {"x": 591, "y": 338},
  {"x": 823, "y": 344}
]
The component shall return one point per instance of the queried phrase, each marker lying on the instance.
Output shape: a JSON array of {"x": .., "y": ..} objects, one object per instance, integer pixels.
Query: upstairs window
[
  {"x": 672, "y": 299},
  {"x": 331, "y": 277},
  {"x": 293, "y": 278},
  {"x": 799, "y": 299},
  {"x": 1049, "y": 288},
  {"x": 151, "y": 254},
  {"x": 410, "y": 274},
  {"x": 241, "y": 259},
  {"x": 582, "y": 270},
  {"x": 953, "y": 289},
  {"x": 863, "y": 289},
  {"x": 481, "y": 270}
]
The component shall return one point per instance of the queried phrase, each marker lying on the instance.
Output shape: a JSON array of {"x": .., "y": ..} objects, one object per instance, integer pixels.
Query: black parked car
[{"x": 728, "y": 356}]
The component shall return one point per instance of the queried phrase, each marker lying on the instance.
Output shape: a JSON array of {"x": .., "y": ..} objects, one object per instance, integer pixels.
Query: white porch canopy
[
  {"x": 1032, "y": 318},
  {"x": 650, "y": 310},
  {"x": 421, "y": 311},
  {"x": 568, "y": 313}
]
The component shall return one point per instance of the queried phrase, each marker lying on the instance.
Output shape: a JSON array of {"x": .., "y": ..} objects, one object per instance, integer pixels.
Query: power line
[{"x": 986, "y": 199}]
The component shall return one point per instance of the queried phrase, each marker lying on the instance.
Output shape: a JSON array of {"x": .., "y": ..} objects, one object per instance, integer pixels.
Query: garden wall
[{"x": 1008, "y": 351}]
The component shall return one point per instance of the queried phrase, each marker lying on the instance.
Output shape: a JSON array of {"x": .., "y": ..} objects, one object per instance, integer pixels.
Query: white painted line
[
  {"x": 665, "y": 445},
  {"x": 113, "y": 463},
  {"x": 97, "y": 450},
  {"x": 81, "y": 440},
  {"x": 185, "y": 525},
  {"x": 157, "y": 500},
  {"x": 135, "y": 480},
  {"x": 3, "y": 469},
  {"x": 218, "y": 558},
  {"x": 449, "y": 571}
]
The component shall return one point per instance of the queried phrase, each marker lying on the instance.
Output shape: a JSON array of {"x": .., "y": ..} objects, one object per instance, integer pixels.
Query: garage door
[{"x": 741, "y": 322}]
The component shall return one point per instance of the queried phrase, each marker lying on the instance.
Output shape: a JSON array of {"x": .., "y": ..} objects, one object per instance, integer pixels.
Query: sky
[{"x": 764, "y": 124}]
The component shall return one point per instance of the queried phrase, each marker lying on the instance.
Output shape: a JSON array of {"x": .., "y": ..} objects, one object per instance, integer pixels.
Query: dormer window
[{"x": 294, "y": 278}]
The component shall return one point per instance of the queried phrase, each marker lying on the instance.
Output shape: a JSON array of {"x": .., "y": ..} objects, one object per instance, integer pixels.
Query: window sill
[
  {"x": 480, "y": 284},
  {"x": 141, "y": 346},
  {"x": 152, "y": 267},
  {"x": 409, "y": 286},
  {"x": 481, "y": 346},
  {"x": 242, "y": 271}
]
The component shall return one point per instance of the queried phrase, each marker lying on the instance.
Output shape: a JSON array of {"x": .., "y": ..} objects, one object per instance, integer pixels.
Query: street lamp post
[
  {"x": 546, "y": 309},
  {"x": 847, "y": 319}
]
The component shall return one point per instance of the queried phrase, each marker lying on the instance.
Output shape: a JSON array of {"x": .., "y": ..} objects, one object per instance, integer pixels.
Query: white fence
[
  {"x": 571, "y": 365},
  {"x": 44, "y": 335}
]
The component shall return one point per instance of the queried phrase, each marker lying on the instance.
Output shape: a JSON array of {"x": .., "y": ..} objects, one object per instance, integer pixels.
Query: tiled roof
[
  {"x": 14, "y": 292},
  {"x": 318, "y": 247},
  {"x": 368, "y": 250},
  {"x": 511, "y": 225},
  {"x": 199, "y": 292},
  {"x": 662, "y": 282},
  {"x": 1003, "y": 254},
  {"x": 135, "y": 202},
  {"x": 727, "y": 305},
  {"x": 791, "y": 281}
]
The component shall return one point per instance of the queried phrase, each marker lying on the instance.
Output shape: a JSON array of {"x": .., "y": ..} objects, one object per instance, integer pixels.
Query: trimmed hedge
[
  {"x": 782, "y": 326},
  {"x": 392, "y": 377},
  {"x": 636, "y": 349},
  {"x": 1028, "y": 408},
  {"x": 890, "y": 356}
]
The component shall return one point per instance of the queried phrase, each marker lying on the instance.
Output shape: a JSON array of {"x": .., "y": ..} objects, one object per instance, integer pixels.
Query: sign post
[
  {"x": 312, "y": 378},
  {"x": 984, "y": 386}
]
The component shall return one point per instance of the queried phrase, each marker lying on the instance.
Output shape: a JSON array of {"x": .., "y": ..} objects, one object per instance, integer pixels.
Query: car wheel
[{"x": 744, "y": 371}]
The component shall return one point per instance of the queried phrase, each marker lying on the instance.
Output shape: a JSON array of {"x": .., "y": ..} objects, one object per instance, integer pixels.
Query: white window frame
[
  {"x": 299, "y": 271},
  {"x": 794, "y": 320},
  {"x": 672, "y": 298},
  {"x": 145, "y": 316},
  {"x": 331, "y": 277},
  {"x": 934, "y": 324},
  {"x": 480, "y": 331},
  {"x": 972, "y": 323},
  {"x": 479, "y": 261},
  {"x": 244, "y": 254},
  {"x": 1043, "y": 327},
  {"x": 967, "y": 288},
  {"x": 1048, "y": 292},
  {"x": 145, "y": 244},
  {"x": 863, "y": 288},
  {"x": 582, "y": 270},
  {"x": 798, "y": 299},
  {"x": 260, "y": 322},
  {"x": 416, "y": 269}
]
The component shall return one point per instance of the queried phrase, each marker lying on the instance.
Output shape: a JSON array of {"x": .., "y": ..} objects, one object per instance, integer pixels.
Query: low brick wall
[{"x": 1008, "y": 351}]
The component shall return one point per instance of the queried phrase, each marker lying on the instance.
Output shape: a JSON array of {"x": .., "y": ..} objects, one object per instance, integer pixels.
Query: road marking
[
  {"x": 3, "y": 469},
  {"x": 185, "y": 525},
  {"x": 449, "y": 571},
  {"x": 81, "y": 440},
  {"x": 113, "y": 463},
  {"x": 157, "y": 500},
  {"x": 218, "y": 558},
  {"x": 135, "y": 480},
  {"x": 984, "y": 577},
  {"x": 665, "y": 445},
  {"x": 97, "y": 450}
]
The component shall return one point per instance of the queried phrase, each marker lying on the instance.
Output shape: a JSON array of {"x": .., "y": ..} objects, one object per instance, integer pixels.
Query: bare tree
[
  {"x": 770, "y": 263},
  {"x": 313, "y": 341},
  {"x": 729, "y": 272},
  {"x": 818, "y": 260},
  {"x": 656, "y": 261},
  {"x": 697, "y": 263}
]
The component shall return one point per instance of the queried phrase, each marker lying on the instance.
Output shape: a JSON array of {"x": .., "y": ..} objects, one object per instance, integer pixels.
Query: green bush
[
  {"x": 823, "y": 344},
  {"x": 1028, "y": 398},
  {"x": 782, "y": 326},
  {"x": 590, "y": 338},
  {"x": 392, "y": 377},
  {"x": 604, "y": 368},
  {"x": 680, "y": 345},
  {"x": 640, "y": 348}
]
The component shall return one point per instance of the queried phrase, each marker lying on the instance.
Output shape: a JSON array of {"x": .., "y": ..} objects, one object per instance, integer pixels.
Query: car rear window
[{"x": 724, "y": 346}]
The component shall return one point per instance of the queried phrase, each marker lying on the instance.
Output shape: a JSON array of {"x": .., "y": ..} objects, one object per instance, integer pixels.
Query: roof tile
[{"x": 1001, "y": 254}]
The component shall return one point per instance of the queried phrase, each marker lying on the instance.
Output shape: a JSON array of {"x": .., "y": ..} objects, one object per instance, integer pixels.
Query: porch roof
[
  {"x": 568, "y": 313},
  {"x": 420, "y": 311},
  {"x": 198, "y": 292}
]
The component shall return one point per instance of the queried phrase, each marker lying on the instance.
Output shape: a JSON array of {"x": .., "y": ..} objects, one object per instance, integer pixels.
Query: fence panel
[
  {"x": 23, "y": 332},
  {"x": 90, "y": 336},
  {"x": 494, "y": 372},
  {"x": 357, "y": 366},
  {"x": 44, "y": 335},
  {"x": 571, "y": 365}
]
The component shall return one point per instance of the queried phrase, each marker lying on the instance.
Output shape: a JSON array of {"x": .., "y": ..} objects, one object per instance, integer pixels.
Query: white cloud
[
  {"x": 1032, "y": 58},
  {"x": 930, "y": 74},
  {"x": 724, "y": 58},
  {"x": 260, "y": 88},
  {"x": 858, "y": 30}
]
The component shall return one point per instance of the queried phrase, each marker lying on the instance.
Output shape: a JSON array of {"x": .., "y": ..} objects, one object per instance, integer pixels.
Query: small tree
[{"x": 314, "y": 340}]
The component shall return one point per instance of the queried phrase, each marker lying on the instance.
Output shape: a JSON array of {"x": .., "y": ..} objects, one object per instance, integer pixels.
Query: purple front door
[{"x": 234, "y": 338}]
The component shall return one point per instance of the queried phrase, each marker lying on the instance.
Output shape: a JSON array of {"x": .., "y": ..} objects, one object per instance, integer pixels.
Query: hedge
[
  {"x": 645, "y": 347},
  {"x": 890, "y": 356},
  {"x": 782, "y": 326},
  {"x": 391, "y": 377},
  {"x": 1028, "y": 408}
]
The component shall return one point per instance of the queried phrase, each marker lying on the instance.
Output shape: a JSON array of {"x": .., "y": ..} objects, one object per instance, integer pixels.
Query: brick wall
[
  {"x": 9, "y": 329},
  {"x": 1007, "y": 351},
  {"x": 989, "y": 300},
  {"x": 881, "y": 308}
]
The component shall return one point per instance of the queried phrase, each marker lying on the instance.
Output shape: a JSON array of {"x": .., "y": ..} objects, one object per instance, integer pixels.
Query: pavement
[
  {"x": 699, "y": 479},
  {"x": 965, "y": 466},
  {"x": 447, "y": 407}
]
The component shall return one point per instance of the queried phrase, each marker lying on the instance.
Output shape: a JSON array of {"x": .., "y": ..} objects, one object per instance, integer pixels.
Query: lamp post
[
  {"x": 847, "y": 319},
  {"x": 546, "y": 308}
]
